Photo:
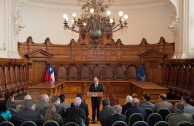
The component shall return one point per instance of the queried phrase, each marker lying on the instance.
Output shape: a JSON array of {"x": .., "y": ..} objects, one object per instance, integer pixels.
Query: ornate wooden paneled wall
[
  {"x": 178, "y": 76},
  {"x": 110, "y": 60}
]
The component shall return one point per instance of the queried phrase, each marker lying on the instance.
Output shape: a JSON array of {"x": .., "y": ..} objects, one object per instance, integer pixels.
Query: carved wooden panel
[
  {"x": 131, "y": 72},
  {"x": 13, "y": 77},
  {"x": 22, "y": 75},
  {"x": 7, "y": 78},
  {"x": 73, "y": 73},
  {"x": 166, "y": 75},
  {"x": 120, "y": 72},
  {"x": 85, "y": 73},
  {"x": 109, "y": 73},
  {"x": 18, "y": 77},
  {"x": 191, "y": 79},
  {"x": 62, "y": 73},
  {"x": 2, "y": 83},
  {"x": 97, "y": 72},
  {"x": 180, "y": 70},
  {"x": 39, "y": 70}
]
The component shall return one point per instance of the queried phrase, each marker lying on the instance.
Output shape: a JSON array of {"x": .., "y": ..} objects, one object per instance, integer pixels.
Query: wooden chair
[
  {"x": 161, "y": 123},
  {"x": 119, "y": 123},
  {"x": 163, "y": 112},
  {"x": 51, "y": 123},
  {"x": 153, "y": 119},
  {"x": 134, "y": 118}
]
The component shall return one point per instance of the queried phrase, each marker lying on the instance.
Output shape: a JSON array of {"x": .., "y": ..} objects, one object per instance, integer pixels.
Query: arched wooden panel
[
  {"x": 120, "y": 72},
  {"x": 62, "y": 73},
  {"x": 13, "y": 78},
  {"x": 97, "y": 72},
  {"x": 85, "y": 73},
  {"x": 2, "y": 83},
  {"x": 109, "y": 73},
  {"x": 131, "y": 72},
  {"x": 73, "y": 73}
]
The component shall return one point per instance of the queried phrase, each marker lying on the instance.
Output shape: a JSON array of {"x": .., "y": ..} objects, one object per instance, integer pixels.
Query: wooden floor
[{"x": 88, "y": 101}]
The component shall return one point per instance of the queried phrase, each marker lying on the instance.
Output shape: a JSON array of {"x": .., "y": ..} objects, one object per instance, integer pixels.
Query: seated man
[
  {"x": 56, "y": 102},
  {"x": 105, "y": 112},
  {"x": 75, "y": 113},
  {"x": 42, "y": 104},
  {"x": 185, "y": 100},
  {"x": 128, "y": 104},
  {"x": 180, "y": 116},
  {"x": 136, "y": 109},
  {"x": 147, "y": 103},
  {"x": 163, "y": 103},
  {"x": 117, "y": 116},
  {"x": 28, "y": 113}
]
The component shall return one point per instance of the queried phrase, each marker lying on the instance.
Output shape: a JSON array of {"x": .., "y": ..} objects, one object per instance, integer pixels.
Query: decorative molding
[{"x": 17, "y": 18}]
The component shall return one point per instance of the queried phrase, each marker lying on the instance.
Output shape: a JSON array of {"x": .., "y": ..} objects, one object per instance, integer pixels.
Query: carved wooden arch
[
  {"x": 131, "y": 72},
  {"x": 7, "y": 78},
  {"x": 73, "y": 75},
  {"x": 120, "y": 72},
  {"x": 97, "y": 71},
  {"x": 109, "y": 73},
  {"x": 62, "y": 73},
  {"x": 85, "y": 72}
]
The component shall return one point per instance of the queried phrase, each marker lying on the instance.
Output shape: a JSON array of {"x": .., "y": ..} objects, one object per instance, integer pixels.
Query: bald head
[
  {"x": 117, "y": 109},
  {"x": 135, "y": 102},
  {"x": 77, "y": 101},
  {"x": 95, "y": 80},
  {"x": 45, "y": 97},
  {"x": 27, "y": 97}
]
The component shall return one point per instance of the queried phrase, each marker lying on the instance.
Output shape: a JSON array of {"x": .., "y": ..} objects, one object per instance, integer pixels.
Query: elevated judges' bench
[{"x": 121, "y": 88}]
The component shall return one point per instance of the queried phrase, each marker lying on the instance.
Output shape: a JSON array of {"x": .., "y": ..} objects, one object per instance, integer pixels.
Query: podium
[{"x": 94, "y": 94}]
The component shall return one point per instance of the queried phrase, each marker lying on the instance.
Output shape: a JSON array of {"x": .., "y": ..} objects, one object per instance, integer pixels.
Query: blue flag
[{"x": 141, "y": 73}]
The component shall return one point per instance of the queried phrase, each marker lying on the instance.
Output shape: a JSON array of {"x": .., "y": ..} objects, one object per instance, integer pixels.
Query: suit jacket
[
  {"x": 188, "y": 108},
  {"x": 126, "y": 106},
  {"x": 173, "y": 120},
  {"x": 164, "y": 104},
  {"x": 104, "y": 114},
  {"x": 84, "y": 106},
  {"x": 148, "y": 104},
  {"x": 74, "y": 114},
  {"x": 136, "y": 109},
  {"x": 116, "y": 117},
  {"x": 41, "y": 105},
  {"x": 99, "y": 88}
]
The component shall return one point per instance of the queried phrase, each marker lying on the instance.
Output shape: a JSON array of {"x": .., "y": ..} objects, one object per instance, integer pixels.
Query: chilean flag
[{"x": 50, "y": 76}]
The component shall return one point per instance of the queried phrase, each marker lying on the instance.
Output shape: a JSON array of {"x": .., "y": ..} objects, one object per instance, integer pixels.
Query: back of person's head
[
  {"x": 77, "y": 101},
  {"x": 62, "y": 98},
  {"x": 146, "y": 97},
  {"x": 128, "y": 99},
  {"x": 80, "y": 95},
  {"x": 27, "y": 97},
  {"x": 179, "y": 107},
  {"x": 28, "y": 104},
  {"x": 55, "y": 100},
  {"x": 45, "y": 97},
  {"x": 186, "y": 98},
  {"x": 135, "y": 102},
  {"x": 3, "y": 106},
  {"x": 50, "y": 113},
  {"x": 105, "y": 102},
  {"x": 117, "y": 109},
  {"x": 163, "y": 97}
]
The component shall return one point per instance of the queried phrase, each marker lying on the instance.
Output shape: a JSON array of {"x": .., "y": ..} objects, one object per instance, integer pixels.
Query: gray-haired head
[
  {"x": 27, "y": 104},
  {"x": 77, "y": 101},
  {"x": 117, "y": 109},
  {"x": 179, "y": 108},
  {"x": 45, "y": 97},
  {"x": 27, "y": 97},
  {"x": 135, "y": 102},
  {"x": 128, "y": 99}
]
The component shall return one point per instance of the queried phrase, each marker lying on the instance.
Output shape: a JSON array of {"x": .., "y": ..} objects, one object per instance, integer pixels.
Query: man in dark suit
[
  {"x": 96, "y": 87},
  {"x": 117, "y": 116}
]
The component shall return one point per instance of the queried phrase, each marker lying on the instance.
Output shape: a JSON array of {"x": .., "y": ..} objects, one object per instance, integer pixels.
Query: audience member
[
  {"x": 163, "y": 103},
  {"x": 185, "y": 100},
  {"x": 4, "y": 111},
  {"x": 128, "y": 104},
  {"x": 27, "y": 113},
  {"x": 180, "y": 116},
  {"x": 105, "y": 112},
  {"x": 147, "y": 103},
  {"x": 84, "y": 106},
  {"x": 11, "y": 102},
  {"x": 43, "y": 103},
  {"x": 75, "y": 113},
  {"x": 51, "y": 114},
  {"x": 20, "y": 106},
  {"x": 56, "y": 102},
  {"x": 136, "y": 109},
  {"x": 117, "y": 116},
  {"x": 63, "y": 104}
]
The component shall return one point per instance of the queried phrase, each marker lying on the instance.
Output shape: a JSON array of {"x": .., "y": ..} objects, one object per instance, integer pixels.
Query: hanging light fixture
[{"x": 95, "y": 20}]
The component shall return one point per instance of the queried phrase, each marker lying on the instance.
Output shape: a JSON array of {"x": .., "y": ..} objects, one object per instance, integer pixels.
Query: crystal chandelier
[{"x": 95, "y": 20}]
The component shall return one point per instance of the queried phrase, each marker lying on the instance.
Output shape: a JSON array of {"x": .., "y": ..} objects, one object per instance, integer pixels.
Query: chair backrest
[
  {"x": 13, "y": 111},
  {"x": 153, "y": 119},
  {"x": 149, "y": 111},
  {"x": 119, "y": 123},
  {"x": 168, "y": 116},
  {"x": 163, "y": 112},
  {"x": 184, "y": 123},
  {"x": 6, "y": 123},
  {"x": 161, "y": 123},
  {"x": 51, "y": 123},
  {"x": 71, "y": 124},
  {"x": 28, "y": 123},
  {"x": 2, "y": 119},
  {"x": 140, "y": 123},
  {"x": 134, "y": 118}
]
